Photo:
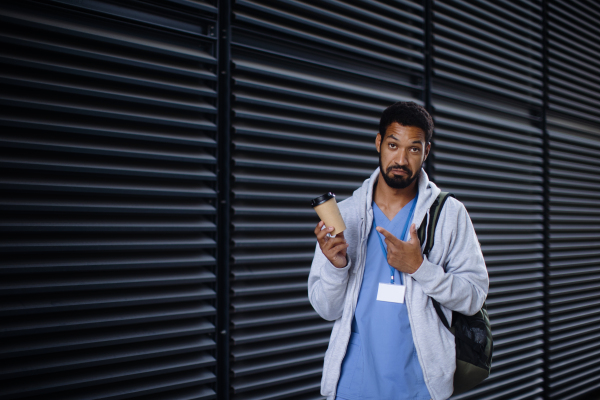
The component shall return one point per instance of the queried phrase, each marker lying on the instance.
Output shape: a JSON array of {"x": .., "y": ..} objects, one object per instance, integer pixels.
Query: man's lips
[{"x": 399, "y": 171}]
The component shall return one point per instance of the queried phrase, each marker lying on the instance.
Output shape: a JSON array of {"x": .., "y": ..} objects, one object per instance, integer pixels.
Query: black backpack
[{"x": 472, "y": 334}]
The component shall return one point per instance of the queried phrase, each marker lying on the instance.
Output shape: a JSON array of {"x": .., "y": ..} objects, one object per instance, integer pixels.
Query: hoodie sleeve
[
  {"x": 461, "y": 283},
  {"x": 327, "y": 286}
]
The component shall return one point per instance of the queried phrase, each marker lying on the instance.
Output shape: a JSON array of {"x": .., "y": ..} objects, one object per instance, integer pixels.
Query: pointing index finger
[{"x": 387, "y": 234}]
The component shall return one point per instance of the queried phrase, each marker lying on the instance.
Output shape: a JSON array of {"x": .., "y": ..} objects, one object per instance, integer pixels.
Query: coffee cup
[{"x": 327, "y": 209}]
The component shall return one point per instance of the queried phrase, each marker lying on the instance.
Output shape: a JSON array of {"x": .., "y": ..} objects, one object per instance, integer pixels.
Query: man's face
[{"x": 401, "y": 154}]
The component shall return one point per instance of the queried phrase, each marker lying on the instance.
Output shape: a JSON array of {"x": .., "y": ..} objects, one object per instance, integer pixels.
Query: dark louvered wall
[
  {"x": 309, "y": 86},
  {"x": 487, "y": 98},
  {"x": 108, "y": 178},
  {"x": 574, "y": 131},
  {"x": 107, "y": 122}
]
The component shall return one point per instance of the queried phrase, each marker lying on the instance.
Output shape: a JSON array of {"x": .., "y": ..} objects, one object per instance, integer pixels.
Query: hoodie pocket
[{"x": 352, "y": 366}]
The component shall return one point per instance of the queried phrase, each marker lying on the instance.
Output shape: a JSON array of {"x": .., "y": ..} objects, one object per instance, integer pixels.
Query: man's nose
[{"x": 401, "y": 158}]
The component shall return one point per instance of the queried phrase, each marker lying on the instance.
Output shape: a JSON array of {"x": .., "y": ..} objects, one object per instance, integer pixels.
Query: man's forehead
[{"x": 395, "y": 130}]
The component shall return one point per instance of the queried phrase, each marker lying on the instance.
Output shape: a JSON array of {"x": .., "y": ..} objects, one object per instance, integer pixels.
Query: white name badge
[{"x": 391, "y": 293}]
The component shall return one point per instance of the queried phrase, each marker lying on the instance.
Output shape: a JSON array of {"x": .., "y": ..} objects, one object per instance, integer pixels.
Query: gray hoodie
[{"x": 454, "y": 274}]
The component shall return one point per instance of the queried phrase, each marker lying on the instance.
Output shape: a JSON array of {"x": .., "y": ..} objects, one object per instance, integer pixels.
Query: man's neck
[{"x": 390, "y": 200}]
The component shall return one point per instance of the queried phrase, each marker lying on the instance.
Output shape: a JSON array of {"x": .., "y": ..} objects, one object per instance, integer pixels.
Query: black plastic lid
[{"x": 322, "y": 199}]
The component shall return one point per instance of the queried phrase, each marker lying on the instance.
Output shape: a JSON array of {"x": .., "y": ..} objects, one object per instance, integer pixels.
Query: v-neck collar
[{"x": 388, "y": 222}]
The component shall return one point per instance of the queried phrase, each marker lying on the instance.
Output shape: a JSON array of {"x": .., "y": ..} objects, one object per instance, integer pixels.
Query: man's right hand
[{"x": 333, "y": 248}]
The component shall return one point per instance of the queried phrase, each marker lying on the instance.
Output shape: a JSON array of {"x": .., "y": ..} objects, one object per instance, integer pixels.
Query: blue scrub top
[{"x": 381, "y": 360}]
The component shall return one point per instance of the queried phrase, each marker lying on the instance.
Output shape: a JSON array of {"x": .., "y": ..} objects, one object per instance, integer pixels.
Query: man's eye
[
  {"x": 392, "y": 145},
  {"x": 415, "y": 149}
]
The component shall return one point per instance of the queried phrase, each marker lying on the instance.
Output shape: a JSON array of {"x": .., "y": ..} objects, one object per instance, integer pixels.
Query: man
[{"x": 374, "y": 282}]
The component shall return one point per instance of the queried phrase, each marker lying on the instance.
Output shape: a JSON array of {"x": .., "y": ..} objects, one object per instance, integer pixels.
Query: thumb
[{"x": 413, "y": 234}]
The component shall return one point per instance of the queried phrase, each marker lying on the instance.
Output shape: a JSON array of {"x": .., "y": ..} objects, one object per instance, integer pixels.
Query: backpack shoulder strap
[{"x": 427, "y": 233}]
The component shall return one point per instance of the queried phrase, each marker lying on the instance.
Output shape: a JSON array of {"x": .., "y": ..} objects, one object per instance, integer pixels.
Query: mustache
[{"x": 399, "y": 168}]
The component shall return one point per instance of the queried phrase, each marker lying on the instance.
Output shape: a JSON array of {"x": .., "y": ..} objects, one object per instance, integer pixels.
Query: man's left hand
[{"x": 404, "y": 256}]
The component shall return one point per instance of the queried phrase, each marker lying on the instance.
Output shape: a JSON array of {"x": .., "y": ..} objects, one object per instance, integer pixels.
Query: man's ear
[
  {"x": 427, "y": 150},
  {"x": 378, "y": 142}
]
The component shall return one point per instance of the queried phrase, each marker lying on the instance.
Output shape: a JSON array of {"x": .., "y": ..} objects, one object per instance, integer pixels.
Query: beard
[{"x": 398, "y": 182}]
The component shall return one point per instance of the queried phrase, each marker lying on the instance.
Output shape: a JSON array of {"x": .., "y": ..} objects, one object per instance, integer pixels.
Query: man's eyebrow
[
  {"x": 417, "y": 141},
  {"x": 392, "y": 137}
]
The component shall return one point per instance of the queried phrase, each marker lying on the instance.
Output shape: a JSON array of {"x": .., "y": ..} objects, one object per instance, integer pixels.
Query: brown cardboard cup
[{"x": 327, "y": 209}]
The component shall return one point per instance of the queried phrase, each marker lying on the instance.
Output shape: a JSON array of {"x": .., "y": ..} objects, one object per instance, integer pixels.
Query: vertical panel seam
[
  {"x": 546, "y": 200},
  {"x": 223, "y": 204}
]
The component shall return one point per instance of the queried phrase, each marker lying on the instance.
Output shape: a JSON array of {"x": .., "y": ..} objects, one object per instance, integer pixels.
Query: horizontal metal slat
[
  {"x": 242, "y": 385},
  {"x": 104, "y": 318},
  {"x": 83, "y": 205},
  {"x": 481, "y": 128},
  {"x": 478, "y": 69},
  {"x": 91, "y": 281},
  {"x": 181, "y": 385},
  {"x": 114, "y": 298},
  {"x": 507, "y": 353},
  {"x": 565, "y": 351},
  {"x": 258, "y": 351},
  {"x": 359, "y": 24},
  {"x": 305, "y": 92},
  {"x": 108, "y": 112},
  {"x": 486, "y": 184},
  {"x": 503, "y": 301},
  {"x": 478, "y": 14},
  {"x": 387, "y": 13},
  {"x": 243, "y": 288},
  {"x": 105, "y": 356},
  {"x": 268, "y": 365},
  {"x": 264, "y": 272},
  {"x": 451, "y": 146},
  {"x": 277, "y": 107},
  {"x": 50, "y": 164},
  {"x": 289, "y": 389},
  {"x": 508, "y": 345},
  {"x": 325, "y": 34},
  {"x": 443, "y": 20},
  {"x": 108, "y": 262},
  {"x": 12, "y": 246},
  {"x": 16, "y": 81},
  {"x": 158, "y": 81},
  {"x": 240, "y": 321},
  {"x": 452, "y": 168},
  {"x": 503, "y": 120},
  {"x": 515, "y": 389},
  {"x": 299, "y": 122},
  {"x": 462, "y": 80},
  {"x": 276, "y": 333},
  {"x": 282, "y": 181},
  {"x": 300, "y": 152},
  {"x": 44, "y": 46},
  {"x": 331, "y": 77},
  {"x": 103, "y": 225},
  {"x": 582, "y": 18},
  {"x": 59, "y": 147},
  {"x": 86, "y": 377},
  {"x": 68, "y": 27},
  {"x": 494, "y": 62},
  {"x": 151, "y": 15},
  {"x": 269, "y": 304},
  {"x": 93, "y": 338},
  {"x": 282, "y": 134}
]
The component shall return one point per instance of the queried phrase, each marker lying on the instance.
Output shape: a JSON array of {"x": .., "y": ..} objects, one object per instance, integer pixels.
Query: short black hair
[{"x": 407, "y": 113}]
